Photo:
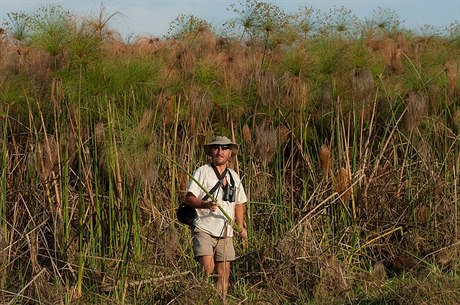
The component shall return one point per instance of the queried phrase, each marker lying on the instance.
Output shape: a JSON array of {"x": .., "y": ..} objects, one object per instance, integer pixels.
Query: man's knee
[
  {"x": 223, "y": 269},
  {"x": 207, "y": 262}
]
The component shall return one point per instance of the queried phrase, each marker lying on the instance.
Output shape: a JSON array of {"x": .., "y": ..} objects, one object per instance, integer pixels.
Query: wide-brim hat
[{"x": 220, "y": 140}]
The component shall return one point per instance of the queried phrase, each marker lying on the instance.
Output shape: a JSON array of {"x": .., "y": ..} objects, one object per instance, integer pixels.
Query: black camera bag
[{"x": 187, "y": 214}]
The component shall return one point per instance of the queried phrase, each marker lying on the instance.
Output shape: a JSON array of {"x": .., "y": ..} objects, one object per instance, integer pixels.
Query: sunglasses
[{"x": 223, "y": 147}]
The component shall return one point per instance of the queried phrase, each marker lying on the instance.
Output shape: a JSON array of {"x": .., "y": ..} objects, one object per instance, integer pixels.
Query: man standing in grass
[{"x": 212, "y": 230}]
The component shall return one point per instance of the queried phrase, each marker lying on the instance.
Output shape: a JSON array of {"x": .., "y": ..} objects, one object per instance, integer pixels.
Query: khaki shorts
[{"x": 206, "y": 245}]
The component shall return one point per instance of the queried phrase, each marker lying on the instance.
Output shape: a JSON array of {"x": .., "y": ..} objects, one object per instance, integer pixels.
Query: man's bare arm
[
  {"x": 239, "y": 219},
  {"x": 194, "y": 202}
]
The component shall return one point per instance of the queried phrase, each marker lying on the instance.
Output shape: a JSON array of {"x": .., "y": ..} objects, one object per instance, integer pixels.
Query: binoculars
[{"x": 229, "y": 193}]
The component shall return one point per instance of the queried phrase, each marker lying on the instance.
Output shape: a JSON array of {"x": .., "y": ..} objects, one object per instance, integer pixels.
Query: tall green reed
[
  {"x": 288, "y": 195},
  {"x": 3, "y": 178},
  {"x": 4, "y": 240}
]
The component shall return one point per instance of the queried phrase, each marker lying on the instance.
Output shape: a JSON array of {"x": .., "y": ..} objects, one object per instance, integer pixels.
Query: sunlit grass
[{"x": 349, "y": 153}]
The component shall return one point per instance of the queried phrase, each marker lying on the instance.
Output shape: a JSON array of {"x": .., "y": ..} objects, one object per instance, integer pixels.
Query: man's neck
[{"x": 220, "y": 168}]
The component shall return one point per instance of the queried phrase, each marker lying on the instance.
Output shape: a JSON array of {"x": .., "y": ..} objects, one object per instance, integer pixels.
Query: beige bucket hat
[{"x": 221, "y": 141}]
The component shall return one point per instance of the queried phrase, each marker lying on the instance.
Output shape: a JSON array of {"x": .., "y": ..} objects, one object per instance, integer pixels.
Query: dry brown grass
[
  {"x": 284, "y": 133},
  {"x": 115, "y": 46},
  {"x": 100, "y": 134},
  {"x": 165, "y": 103},
  {"x": 3, "y": 41},
  {"x": 326, "y": 98},
  {"x": 422, "y": 214},
  {"x": 265, "y": 142},
  {"x": 390, "y": 49},
  {"x": 325, "y": 159},
  {"x": 236, "y": 67},
  {"x": 148, "y": 44},
  {"x": 15, "y": 59},
  {"x": 179, "y": 55},
  {"x": 363, "y": 91},
  {"x": 229, "y": 62},
  {"x": 456, "y": 120},
  {"x": 415, "y": 103},
  {"x": 47, "y": 155},
  {"x": 246, "y": 134},
  {"x": 433, "y": 93},
  {"x": 419, "y": 48},
  {"x": 342, "y": 184},
  {"x": 332, "y": 281},
  {"x": 451, "y": 70},
  {"x": 362, "y": 83},
  {"x": 193, "y": 126},
  {"x": 169, "y": 76},
  {"x": 200, "y": 104},
  {"x": 3, "y": 261},
  {"x": 296, "y": 91},
  {"x": 3, "y": 45},
  {"x": 396, "y": 60},
  {"x": 267, "y": 88},
  {"x": 186, "y": 59},
  {"x": 35, "y": 65},
  {"x": 449, "y": 257},
  {"x": 313, "y": 255},
  {"x": 378, "y": 272},
  {"x": 401, "y": 48},
  {"x": 425, "y": 152},
  {"x": 8, "y": 58},
  {"x": 202, "y": 41},
  {"x": 146, "y": 120}
]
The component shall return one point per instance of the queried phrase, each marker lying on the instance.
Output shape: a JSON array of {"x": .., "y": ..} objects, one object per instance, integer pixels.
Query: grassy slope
[{"x": 349, "y": 154}]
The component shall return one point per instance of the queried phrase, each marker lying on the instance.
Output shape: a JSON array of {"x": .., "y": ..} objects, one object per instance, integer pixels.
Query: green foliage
[
  {"x": 12, "y": 92},
  {"x": 85, "y": 46},
  {"x": 339, "y": 22},
  {"x": 358, "y": 55},
  {"x": 51, "y": 29},
  {"x": 338, "y": 182},
  {"x": 207, "y": 72},
  {"x": 307, "y": 21},
  {"x": 247, "y": 18},
  {"x": 112, "y": 77},
  {"x": 383, "y": 20},
  {"x": 330, "y": 55},
  {"x": 299, "y": 61},
  {"x": 19, "y": 25},
  {"x": 258, "y": 19},
  {"x": 411, "y": 289},
  {"x": 47, "y": 28},
  {"x": 453, "y": 32},
  {"x": 184, "y": 25}
]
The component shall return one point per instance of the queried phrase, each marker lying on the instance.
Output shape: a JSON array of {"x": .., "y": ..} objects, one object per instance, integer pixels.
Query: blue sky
[{"x": 142, "y": 17}]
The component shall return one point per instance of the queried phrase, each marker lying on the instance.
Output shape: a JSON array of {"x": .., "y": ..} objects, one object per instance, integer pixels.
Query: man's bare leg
[
  {"x": 207, "y": 262},
  {"x": 223, "y": 272}
]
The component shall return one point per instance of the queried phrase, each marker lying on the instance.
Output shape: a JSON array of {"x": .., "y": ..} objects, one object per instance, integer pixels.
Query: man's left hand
[{"x": 243, "y": 233}]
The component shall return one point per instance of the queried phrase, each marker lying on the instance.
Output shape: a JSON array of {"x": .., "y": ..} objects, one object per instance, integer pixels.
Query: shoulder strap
[
  {"x": 219, "y": 182},
  {"x": 232, "y": 182},
  {"x": 224, "y": 173},
  {"x": 214, "y": 188},
  {"x": 220, "y": 177}
]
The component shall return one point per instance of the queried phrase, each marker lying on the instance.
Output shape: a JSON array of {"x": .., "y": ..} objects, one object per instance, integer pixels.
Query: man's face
[{"x": 220, "y": 154}]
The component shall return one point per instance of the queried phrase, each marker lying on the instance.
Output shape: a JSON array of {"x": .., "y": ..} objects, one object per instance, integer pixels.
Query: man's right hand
[{"x": 212, "y": 206}]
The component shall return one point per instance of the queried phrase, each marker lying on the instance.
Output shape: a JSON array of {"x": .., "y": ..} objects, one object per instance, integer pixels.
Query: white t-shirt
[{"x": 215, "y": 223}]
